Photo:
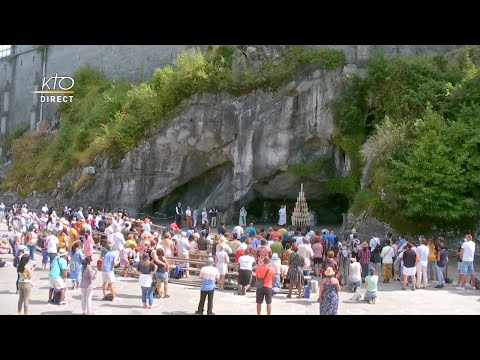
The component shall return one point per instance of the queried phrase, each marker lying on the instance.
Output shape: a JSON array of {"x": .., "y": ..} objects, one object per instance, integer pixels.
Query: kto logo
[{"x": 57, "y": 87}]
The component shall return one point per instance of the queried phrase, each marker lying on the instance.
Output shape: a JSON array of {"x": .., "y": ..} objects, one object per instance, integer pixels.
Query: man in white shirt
[
  {"x": 188, "y": 215},
  {"x": 52, "y": 245},
  {"x": 467, "y": 254},
  {"x": 238, "y": 230},
  {"x": 246, "y": 262},
  {"x": 354, "y": 275},
  {"x": 110, "y": 231},
  {"x": 45, "y": 209},
  {"x": 306, "y": 251},
  {"x": 422, "y": 252},
  {"x": 183, "y": 248},
  {"x": 118, "y": 240},
  {"x": 375, "y": 249}
]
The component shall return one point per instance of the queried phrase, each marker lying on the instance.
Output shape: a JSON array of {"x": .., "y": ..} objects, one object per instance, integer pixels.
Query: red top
[{"x": 262, "y": 271}]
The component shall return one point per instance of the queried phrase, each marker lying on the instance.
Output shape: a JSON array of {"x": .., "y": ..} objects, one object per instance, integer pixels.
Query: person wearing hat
[
  {"x": 364, "y": 256},
  {"x": 371, "y": 282},
  {"x": 58, "y": 272},
  {"x": 209, "y": 275},
  {"x": 328, "y": 293}
]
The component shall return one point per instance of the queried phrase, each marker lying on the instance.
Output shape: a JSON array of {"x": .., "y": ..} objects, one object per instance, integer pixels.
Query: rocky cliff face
[
  {"x": 227, "y": 151},
  {"x": 224, "y": 151}
]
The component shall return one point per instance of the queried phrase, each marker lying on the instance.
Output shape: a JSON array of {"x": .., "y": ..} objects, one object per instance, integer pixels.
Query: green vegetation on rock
[{"x": 421, "y": 115}]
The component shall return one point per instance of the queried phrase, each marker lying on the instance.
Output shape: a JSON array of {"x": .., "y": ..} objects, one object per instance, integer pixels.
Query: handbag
[{"x": 260, "y": 281}]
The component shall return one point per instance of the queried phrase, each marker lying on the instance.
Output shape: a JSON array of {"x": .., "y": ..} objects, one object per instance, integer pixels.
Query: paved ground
[{"x": 184, "y": 299}]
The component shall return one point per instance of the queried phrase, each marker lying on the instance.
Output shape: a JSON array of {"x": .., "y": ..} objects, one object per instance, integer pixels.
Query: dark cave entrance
[{"x": 328, "y": 211}]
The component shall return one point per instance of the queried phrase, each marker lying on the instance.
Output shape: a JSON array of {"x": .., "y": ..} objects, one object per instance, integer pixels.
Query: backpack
[
  {"x": 108, "y": 297},
  {"x": 55, "y": 297},
  {"x": 260, "y": 281},
  {"x": 477, "y": 284}
]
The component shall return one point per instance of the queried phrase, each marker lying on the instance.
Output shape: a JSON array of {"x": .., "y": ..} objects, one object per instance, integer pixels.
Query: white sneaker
[
  {"x": 469, "y": 287},
  {"x": 460, "y": 288},
  {"x": 455, "y": 283},
  {"x": 116, "y": 299}
]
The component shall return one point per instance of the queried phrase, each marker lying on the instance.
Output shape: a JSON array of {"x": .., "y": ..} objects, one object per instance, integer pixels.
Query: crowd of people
[{"x": 268, "y": 259}]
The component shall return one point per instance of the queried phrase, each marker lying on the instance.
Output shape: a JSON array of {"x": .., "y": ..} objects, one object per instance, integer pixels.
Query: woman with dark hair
[
  {"x": 86, "y": 285},
  {"x": 295, "y": 272},
  {"x": 161, "y": 276},
  {"x": 76, "y": 264},
  {"x": 147, "y": 269},
  {"x": 25, "y": 273}
]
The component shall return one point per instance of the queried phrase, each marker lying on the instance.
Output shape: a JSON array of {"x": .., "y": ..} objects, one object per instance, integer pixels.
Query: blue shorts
[
  {"x": 467, "y": 268},
  {"x": 161, "y": 276}
]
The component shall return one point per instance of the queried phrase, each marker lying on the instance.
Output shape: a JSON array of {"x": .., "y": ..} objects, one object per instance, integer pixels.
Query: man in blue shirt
[
  {"x": 110, "y": 260},
  {"x": 251, "y": 229},
  {"x": 58, "y": 272},
  {"x": 332, "y": 239}
]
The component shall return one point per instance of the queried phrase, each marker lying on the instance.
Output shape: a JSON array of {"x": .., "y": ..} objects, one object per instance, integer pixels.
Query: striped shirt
[{"x": 209, "y": 274}]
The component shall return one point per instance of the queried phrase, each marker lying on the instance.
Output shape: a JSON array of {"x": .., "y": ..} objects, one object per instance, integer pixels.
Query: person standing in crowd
[
  {"x": 209, "y": 275},
  {"x": 195, "y": 217},
  {"x": 58, "y": 272},
  {"x": 295, "y": 272},
  {"x": 108, "y": 275},
  {"x": 440, "y": 264},
  {"x": 161, "y": 276},
  {"x": 371, "y": 282},
  {"x": 76, "y": 264},
  {"x": 213, "y": 216},
  {"x": 364, "y": 259},
  {"x": 246, "y": 262},
  {"x": 375, "y": 249},
  {"x": 222, "y": 265},
  {"x": 178, "y": 215},
  {"x": 432, "y": 259},
  {"x": 317, "y": 255},
  {"x": 189, "y": 217},
  {"x": 343, "y": 261},
  {"x": 52, "y": 243},
  {"x": 86, "y": 285},
  {"x": 422, "y": 264},
  {"x": 409, "y": 268},
  {"x": 88, "y": 244},
  {"x": 467, "y": 254},
  {"x": 25, "y": 274},
  {"x": 266, "y": 274},
  {"x": 387, "y": 261},
  {"x": 328, "y": 293},
  {"x": 147, "y": 270}
]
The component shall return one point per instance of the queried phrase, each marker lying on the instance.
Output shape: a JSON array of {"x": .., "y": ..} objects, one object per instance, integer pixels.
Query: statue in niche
[
  {"x": 282, "y": 216},
  {"x": 242, "y": 221}
]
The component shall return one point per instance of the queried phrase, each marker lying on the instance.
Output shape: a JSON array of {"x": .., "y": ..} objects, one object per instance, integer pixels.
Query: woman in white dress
[
  {"x": 282, "y": 216},
  {"x": 222, "y": 266}
]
